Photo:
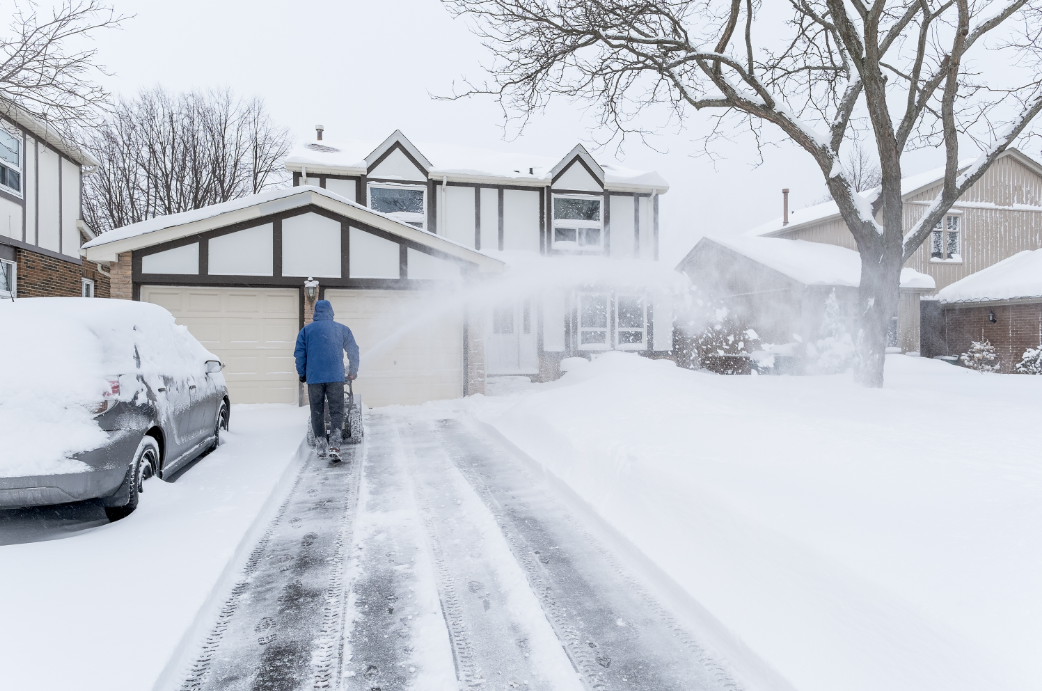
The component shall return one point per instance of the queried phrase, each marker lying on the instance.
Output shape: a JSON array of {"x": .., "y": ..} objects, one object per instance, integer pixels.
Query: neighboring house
[
  {"x": 779, "y": 287},
  {"x": 1001, "y": 304},
  {"x": 41, "y": 221},
  {"x": 518, "y": 203},
  {"x": 998, "y": 217}
]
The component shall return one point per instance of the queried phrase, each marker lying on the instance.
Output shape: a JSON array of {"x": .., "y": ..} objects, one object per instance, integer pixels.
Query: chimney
[
  {"x": 319, "y": 129},
  {"x": 785, "y": 205}
]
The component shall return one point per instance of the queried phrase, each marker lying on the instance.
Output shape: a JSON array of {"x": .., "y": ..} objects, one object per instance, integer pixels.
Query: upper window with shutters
[{"x": 10, "y": 162}]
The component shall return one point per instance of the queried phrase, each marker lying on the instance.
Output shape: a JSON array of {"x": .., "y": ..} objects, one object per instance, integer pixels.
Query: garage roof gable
[{"x": 154, "y": 231}]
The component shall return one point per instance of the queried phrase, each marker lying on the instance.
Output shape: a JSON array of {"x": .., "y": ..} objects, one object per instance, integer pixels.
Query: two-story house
[
  {"x": 400, "y": 239},
  {"x": 41, "y": 221}
]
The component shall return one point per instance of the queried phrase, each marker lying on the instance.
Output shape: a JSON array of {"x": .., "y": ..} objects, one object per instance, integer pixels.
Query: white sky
[{"x": 366, "y": 68}]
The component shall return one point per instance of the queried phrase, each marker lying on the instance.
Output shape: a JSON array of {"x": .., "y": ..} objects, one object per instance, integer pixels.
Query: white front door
[{"x": 510, "y": 341}]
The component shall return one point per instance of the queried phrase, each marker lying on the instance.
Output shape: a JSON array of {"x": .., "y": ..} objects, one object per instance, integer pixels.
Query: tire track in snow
[
  {"x": 281, "y": 627},
  {"x": 617, "y": 634}
]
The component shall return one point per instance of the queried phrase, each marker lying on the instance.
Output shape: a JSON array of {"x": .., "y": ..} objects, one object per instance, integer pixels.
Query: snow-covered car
[{"x": 96, "y": 396}]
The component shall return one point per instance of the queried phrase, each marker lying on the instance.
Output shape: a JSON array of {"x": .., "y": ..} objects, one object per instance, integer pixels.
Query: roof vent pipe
[
  {"x": 531, "y": 171},
  {"x": 785, "y": 206},
  {"x": 319, "y": 129}
]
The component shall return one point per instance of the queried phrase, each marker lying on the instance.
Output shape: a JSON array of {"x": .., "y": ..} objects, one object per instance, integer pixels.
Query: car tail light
[{"x": 109, "y": 395}]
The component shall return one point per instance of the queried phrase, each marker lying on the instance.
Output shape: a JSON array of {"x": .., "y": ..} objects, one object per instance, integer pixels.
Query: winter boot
[
  {"x": 334, "y": 446},
  {"x": 322, "y": 447}
]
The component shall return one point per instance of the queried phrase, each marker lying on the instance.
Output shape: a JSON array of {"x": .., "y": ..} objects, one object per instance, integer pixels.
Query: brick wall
[
  {"x": 122, "y": 281},
  {"x": 1015, "y": 329},
  {"x": 42, "y": 276},
  {"x": 475, "y": 353},
  {"x": 102, "y": 285}
]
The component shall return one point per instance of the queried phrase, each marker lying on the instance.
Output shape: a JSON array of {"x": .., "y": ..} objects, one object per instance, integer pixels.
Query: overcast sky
[{"x": 366, "y": 68}]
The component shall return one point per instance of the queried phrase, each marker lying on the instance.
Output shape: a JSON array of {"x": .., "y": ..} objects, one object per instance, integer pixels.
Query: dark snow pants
[{"x": 318, "y": 394}]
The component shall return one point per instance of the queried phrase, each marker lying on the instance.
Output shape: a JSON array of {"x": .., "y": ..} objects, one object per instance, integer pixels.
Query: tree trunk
[{"x": 878, "y": 299}]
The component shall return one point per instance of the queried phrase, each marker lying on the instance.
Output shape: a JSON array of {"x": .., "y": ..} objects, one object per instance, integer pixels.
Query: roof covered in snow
[
  {"x": 1016, "y": 278},
  {"x": 47, "y": 134},
  {"x": 165, "y": 228},
  {"x": 909, "y": 186},
  {"x": 353, "y": 157},
  {"x": 810, "y": 263}
]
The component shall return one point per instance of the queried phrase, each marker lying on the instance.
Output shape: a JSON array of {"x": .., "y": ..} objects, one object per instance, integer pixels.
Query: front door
[{"x": 510, "y": 344}]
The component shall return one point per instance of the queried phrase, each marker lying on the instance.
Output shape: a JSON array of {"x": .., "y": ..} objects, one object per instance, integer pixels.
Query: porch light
[
  {"x": 991, "y": 316},
  {"x": 311, "y": 288}
]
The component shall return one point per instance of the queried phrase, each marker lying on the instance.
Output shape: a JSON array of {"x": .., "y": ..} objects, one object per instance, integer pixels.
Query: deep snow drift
[{"x": 852, "y": 539}]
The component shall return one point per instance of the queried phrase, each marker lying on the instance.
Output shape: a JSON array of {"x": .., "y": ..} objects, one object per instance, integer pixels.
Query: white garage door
[
  {"x": 253, "y": 331},
  {"x": 411, "y": 344}
]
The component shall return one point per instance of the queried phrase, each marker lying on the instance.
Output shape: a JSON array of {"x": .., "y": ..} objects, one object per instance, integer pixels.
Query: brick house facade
[{"x": 1010, "y": 328}]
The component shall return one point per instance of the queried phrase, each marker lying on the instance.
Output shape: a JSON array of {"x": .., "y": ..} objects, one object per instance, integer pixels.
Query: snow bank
[
  {"x": 853, "y": 539},
  {"x": 74, "y": 608},
  {"x": 1019, "y": 276},
  {"x": 54, "y": 363},
  {"x": 813, "y": 263}
]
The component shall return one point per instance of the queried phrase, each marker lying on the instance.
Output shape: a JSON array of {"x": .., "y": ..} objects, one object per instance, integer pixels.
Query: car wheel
[
  {"x": 222, "y": 423},
  {"x": 146, "y": 460}
]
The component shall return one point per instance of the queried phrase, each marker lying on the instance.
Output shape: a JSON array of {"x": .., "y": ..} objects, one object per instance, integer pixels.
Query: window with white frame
[
  {"x": 631, "y": 322},
  {"x": 578, "y": 223},
  {"x": 406, "y": 203},
  {"x": 8, "y": 279},
  {"x": 593, "y": 320},
  {"x": 10, "y": 161},
  {"x": 946, "y": 239},
  {"x": 503, "y": 319},
  {"x": 86, "y": 288}
]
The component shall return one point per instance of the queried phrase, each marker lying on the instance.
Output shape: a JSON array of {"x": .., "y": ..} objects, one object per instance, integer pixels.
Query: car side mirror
[{"x": 214, "y": 366}]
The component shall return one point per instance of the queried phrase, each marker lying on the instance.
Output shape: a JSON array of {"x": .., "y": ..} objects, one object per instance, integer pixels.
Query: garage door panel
[
  {"x": 251, "y": 330},
  {"x": 411, "y": 346}
]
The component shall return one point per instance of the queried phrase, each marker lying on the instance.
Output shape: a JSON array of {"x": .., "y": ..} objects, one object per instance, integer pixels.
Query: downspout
[
  {"x": 441, "y": 206},
  {"x": 303, "y": 175}
]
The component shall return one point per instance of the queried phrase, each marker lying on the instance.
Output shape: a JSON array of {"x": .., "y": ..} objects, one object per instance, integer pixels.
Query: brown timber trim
[
  {"x": 15, "y": 242},
  {"x": 477, "y": 218},
  {"x": 578, "y": 158},
  {"x": 655, "y": 227},
  {"x": 390, "y": 149},
  {"x": 25, "y": 182},
  {"x": 501, "y": 219},
  {"x": 345, "y": 248},
  {"x": 362, "y": 191},
  {"x": 544, "y": 241},
  {"x": 606, "y": 243},
  {"x": 276, "y": 248},
  {"x": 636, "y": 226},
  {"x": 403, "y": 261},
  {"x": 432, "y": 206}
]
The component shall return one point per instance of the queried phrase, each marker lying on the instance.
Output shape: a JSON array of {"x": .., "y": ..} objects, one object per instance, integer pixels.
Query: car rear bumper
[{"x": 108, "y": 466}]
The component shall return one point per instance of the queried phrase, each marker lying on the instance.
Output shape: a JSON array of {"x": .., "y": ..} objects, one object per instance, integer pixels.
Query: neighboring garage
[{"x": 234, "y": 274}]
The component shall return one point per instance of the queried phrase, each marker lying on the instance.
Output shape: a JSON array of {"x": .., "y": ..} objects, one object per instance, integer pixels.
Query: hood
[{"x": 323, "y": 311}]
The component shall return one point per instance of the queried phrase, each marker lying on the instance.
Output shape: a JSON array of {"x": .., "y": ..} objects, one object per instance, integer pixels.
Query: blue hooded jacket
[{"x": 321, "y": 345}]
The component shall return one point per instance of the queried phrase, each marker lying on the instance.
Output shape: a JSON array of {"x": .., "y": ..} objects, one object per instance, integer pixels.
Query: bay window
[
  {"x": 578, "y": 223},
  {"x": 405, "y": 203}
]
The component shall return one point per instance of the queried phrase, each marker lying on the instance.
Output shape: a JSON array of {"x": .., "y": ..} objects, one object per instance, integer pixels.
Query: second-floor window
[
  {"x": 578, "y": 223},
  {"x": 946, "y": 239},
  {"x": 406, "y": 203},
  {"x": 10, "y": 161}
]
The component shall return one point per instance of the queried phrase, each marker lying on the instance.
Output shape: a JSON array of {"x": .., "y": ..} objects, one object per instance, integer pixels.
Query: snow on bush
[
  {"x": 981, "y": 357},
  {"x": 55, "y": 359},
  {"x": 834, "y": 351},
  {"x": 1030, "y": 362}
]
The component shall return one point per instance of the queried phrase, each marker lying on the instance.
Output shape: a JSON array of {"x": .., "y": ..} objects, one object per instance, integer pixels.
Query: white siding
[
  {"x": 345, "y": 188},
  {"x": 397, "y": 166},
  {"x": 373, "y": 256},
  {"x": 553, "y": 322},
  {"x": 423, "y": 266},
  {"x": 576, "y": 177},
  {"x": 521, "y": 220},
  {"x": 244, "y": 253},
  {"x": 48, "y": 203},
  {"x": 71, "y": 238},
  {"x": 311, "y": 246},
  {"x": 29, "y": 185},
  {"x": 647, "y": 229},
  {"x": 623, "y": 238},
  {"x": 489, "y": 219},
  {"x": 458, "y": 215},
  {"x": 180, "y": 260},
  {"x": 662, "y": 321},
  {"x": 10, "y": 219}
]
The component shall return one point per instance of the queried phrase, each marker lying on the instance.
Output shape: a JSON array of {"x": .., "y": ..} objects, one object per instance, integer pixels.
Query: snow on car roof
[
  {"x": 1016, "y": 277},
  {"x": 454, "y": 160},
  {"x": 813, "y": 263},
  {"x": 55, "y": 365}
]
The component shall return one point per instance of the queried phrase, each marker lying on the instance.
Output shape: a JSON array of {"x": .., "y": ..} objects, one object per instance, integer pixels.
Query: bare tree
[
  {"x": 163, "y": 154},
  {"x": 822, "y": 72},
  {"x": 863, "y": 171},
  {"x": 47, "y": 62}
]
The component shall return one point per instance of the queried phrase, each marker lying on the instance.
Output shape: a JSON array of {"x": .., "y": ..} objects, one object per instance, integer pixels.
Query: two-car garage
[{"x": 407, "y": 315}]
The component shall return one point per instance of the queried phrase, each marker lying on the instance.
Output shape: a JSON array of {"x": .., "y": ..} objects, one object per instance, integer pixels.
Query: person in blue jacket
[{"x": 320, "y": 362}]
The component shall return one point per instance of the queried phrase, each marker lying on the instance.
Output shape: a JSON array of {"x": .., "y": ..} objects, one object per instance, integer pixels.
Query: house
[
  {"x": 400, "y": 267},
  {"x": 998, "y": 217},
  {"x": 41, "y": 220},
  {"x": 779, "y": 287},
  {"x": 519, "y": 204},
  {"x": 1001, "y": 304}
]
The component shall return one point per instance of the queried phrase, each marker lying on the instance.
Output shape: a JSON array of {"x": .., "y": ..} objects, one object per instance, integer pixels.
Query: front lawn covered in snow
[{"x": 851, "y": 538}]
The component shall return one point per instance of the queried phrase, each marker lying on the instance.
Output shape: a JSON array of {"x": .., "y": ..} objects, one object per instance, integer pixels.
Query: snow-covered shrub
[
  {"x": 1030, "y": 362},
  {"x": 725, "y": 343},
  {"x": 981, "y": 357},
  {"x": 834, "y": 351}
]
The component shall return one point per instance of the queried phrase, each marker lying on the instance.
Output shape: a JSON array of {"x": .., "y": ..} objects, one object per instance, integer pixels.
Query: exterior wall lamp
[
  {"x": 991, "y": 316},
  {"x": 311, "y": 288}
]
